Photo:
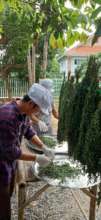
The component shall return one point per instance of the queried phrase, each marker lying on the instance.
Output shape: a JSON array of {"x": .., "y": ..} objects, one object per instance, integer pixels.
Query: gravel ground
[{"x": 54, "y": 204}]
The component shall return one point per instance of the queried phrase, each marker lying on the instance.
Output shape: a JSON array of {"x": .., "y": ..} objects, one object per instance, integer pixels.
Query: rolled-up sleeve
[{"x": 8, "y": 141}]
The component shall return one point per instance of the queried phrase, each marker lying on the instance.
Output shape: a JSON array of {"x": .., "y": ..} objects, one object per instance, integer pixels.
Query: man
[
  {"x": 13, "y": 125},
  {"x": 42, "y": 123}
]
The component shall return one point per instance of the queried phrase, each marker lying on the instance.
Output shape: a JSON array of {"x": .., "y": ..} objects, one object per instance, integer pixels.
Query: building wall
[
  {"x": 76, "y": 62},
  {"x": 74, "y": 57},
  {"x": 69, "y": 64},
  {"x": 63, "y": 66}
]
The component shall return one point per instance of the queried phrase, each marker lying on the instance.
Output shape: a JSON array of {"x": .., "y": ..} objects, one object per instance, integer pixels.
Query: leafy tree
[
  {"x": 22, "y": 23},
  {"x": 53, "y": 69}
]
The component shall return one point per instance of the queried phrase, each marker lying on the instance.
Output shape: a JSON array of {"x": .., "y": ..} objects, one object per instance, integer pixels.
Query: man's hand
[
  {"x": 42, "y": 126},
  {"x": 43, "y": 160},
  {"x": 48, "y": 152}
]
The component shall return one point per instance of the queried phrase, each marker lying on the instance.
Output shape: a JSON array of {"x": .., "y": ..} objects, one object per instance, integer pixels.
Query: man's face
[{"x": 32, "y": 108}]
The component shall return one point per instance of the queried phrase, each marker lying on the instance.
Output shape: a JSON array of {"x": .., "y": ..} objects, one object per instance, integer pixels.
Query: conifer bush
[{"x": 80, "y": 120}]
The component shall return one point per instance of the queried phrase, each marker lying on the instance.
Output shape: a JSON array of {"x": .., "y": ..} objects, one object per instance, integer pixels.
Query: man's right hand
[
  {"x": 42, "y": 126},
  {"x": 43, "y": 160}
]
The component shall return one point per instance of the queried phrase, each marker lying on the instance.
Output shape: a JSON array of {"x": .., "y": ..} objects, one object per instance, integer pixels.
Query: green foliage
[
  {"x": 67, "y": 92},
  {"x": 49, "y": 141},
  {"x": 93, "y": 145},
  {"x": 53, "y": 69},
  {"x": 23, "y": 23},
  {"x": 55, "y": 18},
  {"x": 75, "y": 112},
  {"x": 90, "y": 105},
  {"x": 52, "y": 65},
  {"x": 19, "y": 74},
  {"x": 81, "y": 71},
  {"x": 55, "y": 171},
  {"x": 98, "y": 31},
  {"x": 78, "y": 105},
  {"x": 91, "y": 101},
  {"x": 17, "y": 28},
  {"x": 83, "y": 119},
  {"x": 61, "y": 122}
]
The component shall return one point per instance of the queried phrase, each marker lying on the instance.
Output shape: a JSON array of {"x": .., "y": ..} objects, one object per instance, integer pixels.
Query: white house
[{"x": 73, "y": 57}]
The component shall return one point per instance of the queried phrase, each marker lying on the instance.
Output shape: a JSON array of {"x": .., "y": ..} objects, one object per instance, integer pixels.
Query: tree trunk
[
  {"x": 33, "y": 63},
  {"x": 45, "y": 54},
  {"x": 29, "y": 67}
]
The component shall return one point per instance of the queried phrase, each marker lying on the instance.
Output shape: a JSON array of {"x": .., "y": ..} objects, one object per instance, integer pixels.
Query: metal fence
[
  {"x": 57, "y": 87},
  {"x": 17, "y": 88},
  {"x": 20, "y": 87}
]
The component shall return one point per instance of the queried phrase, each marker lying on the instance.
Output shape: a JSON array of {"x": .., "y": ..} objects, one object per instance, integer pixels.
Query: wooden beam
[
  {"x": 21, "y": 188},
  {"x": 88, "y": 193},
  {"x": 21, "y": 201},
  {"x": 34, "y": 197},
  {"x": 21, "y": 176}
]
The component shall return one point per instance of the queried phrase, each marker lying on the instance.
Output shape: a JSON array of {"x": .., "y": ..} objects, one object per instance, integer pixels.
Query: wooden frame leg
[
  {"x": 21, "y": 201},
  {"x": 92, "y": 209}
]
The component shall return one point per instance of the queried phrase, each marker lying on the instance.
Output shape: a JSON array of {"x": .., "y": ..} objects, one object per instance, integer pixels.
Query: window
[{"x": 78, "y": 61}]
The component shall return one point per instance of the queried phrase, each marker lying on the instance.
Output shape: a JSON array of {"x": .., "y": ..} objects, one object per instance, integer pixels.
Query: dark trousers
[{"x": 5, "y": 200}]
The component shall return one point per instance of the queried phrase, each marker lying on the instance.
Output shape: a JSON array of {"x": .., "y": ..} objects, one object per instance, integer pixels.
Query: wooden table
[{"x": 23, "y": 202}]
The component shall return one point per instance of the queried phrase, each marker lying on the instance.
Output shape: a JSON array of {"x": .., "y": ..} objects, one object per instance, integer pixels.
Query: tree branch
[
  {"x": 5, "y": 70},
  {"x": 3, "y": 40}
]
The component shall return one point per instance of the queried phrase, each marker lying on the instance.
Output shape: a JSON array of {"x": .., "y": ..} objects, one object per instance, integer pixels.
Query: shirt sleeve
[
  {"x": 8, "y": 141},
  {"x": 29, "y": 130}
]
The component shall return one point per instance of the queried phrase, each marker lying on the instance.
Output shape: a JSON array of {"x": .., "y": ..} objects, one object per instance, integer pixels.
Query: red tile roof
[{"x": 84, "y": 50}]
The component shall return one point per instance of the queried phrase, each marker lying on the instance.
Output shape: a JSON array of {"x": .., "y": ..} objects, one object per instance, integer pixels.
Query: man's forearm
[
  {"x": 34, "y": 119},
  {"x": 55, "y": 113},
  {"x": 36, "y": 140},
  {"x": 27, "y": 157}
]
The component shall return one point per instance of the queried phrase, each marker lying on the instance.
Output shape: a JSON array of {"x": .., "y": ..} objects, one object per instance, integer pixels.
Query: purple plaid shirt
[{"x": 13, "y": 125}]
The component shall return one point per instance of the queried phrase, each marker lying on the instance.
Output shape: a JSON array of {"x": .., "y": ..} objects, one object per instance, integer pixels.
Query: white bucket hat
[
  {"x": 47, "y": 83},
  {"x": 38, "y": 94}
]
